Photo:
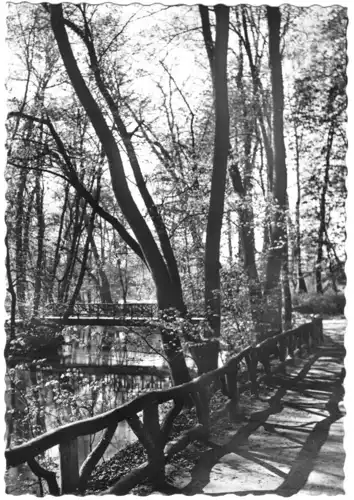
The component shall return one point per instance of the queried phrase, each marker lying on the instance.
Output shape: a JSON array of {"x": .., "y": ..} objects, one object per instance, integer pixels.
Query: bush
[
  {"x": 330, "y": 303},
  {"x": 35, "y": 342}
]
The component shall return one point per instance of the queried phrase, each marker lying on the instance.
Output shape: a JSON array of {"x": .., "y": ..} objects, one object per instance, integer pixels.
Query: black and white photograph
[{"x": 176, "y": 230}]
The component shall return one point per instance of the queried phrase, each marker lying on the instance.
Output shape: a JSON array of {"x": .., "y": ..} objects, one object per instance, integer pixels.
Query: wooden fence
[{"x": 153, "y": 435}]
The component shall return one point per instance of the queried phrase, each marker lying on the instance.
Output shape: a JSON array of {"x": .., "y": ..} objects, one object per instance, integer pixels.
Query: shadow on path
[{"x": 329, "y": 394}]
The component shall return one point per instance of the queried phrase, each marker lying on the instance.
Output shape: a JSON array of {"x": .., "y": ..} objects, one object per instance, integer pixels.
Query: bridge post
[{"x": 69, "y": 466}]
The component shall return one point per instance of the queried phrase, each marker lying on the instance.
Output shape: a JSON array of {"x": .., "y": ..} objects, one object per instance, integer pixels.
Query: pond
[
  {"x": 95, "y": 345},
  {"x": 99, "y": 368}
]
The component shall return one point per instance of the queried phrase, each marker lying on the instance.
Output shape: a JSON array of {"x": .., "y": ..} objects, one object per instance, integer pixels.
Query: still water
[
  {"x": 82, "y": 382},
  {"x": 112, "y": 346}
]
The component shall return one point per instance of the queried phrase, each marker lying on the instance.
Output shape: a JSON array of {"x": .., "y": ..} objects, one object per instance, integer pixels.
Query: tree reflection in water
[{"x": 42, "y": 396}]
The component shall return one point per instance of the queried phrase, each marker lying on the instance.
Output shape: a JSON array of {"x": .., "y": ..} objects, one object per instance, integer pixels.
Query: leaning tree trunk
[
  {"x": 278, "y": 237},
  {"x": 168, "y": 293}
]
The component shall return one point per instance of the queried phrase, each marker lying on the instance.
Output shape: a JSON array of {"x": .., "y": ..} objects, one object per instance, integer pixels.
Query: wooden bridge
[
  {"x": 103, "y": 314},
  {"x": 244, "y": 371},
  {"x": 99, "y": 310}
]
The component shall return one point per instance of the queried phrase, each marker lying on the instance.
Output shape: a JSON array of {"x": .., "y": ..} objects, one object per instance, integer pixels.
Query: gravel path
[{"x": 289, "y": 440}]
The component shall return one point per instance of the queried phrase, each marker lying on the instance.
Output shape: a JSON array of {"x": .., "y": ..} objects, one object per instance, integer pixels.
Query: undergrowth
[{"x": 326, "y": 304}]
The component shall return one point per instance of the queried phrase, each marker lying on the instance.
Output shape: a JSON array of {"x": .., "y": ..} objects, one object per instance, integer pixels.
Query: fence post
[
  {"x": 282, "y": 349},
  {"x": 320, "y": 327},
  {"x": 222, "y": 383},
  {"x": 308, "y": 337},
  {"x": 264, "y": 359},
  {"x": 299, "y": 342},
  {"x": 282, "y": 352},
  {"x": 291, "y": 346},
  {"x": 201, "y": 401},
  {"x": 315, "y": 333},
  {"x": 232, "y": 390},
  {"x": 155, "y": 448},
  {"x": 231, "y": 382},
  {"x": 251, "y": 360},
  {"x": 69, "y": 466}
]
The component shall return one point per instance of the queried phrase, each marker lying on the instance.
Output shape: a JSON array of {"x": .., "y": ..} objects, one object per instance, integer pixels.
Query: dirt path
[{"x": 289, "y": 440}]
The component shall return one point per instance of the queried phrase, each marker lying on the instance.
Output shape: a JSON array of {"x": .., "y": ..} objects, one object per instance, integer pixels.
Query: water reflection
[
  {"x": 112, "y": 346},
  {"x": 43, "y": 396}
]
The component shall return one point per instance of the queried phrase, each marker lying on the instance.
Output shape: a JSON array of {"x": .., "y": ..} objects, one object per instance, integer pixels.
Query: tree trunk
[
  {"x": 208, "y": 40},
  {"x": 168, "y": 294},
  {"x": 322, "y": 214},
  {"x": 245, "y": 210},
  {"x": 278, "y": 237},
  {"x": 11, "y": 289},
  {"x": 56, "y": 260},
  {"x": 20, "y": 256},
  {"x": 105, "y": 288},
  {"x": 40, "y": 266},
  {"x": 258, "y": 94},
  {"x": 90, "y": 227},
  {"x": 248, "y": 249},
  {"x": 229, "y": 238},
  {"x": 301, "y": 284},
  {"x": 197, "y": 281},
  {"x": 77, "y": 222},
  {"x": 287, "y": 301},
  {"x": 126, "y": 137},
  {"x": 217, "y": 195}
]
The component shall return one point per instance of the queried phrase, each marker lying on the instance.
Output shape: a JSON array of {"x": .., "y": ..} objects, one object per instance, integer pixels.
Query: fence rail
[{"x": 153, "y": 436}]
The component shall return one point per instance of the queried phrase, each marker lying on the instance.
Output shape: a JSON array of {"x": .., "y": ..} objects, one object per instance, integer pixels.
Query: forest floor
[{"x": 287, "y": 440}]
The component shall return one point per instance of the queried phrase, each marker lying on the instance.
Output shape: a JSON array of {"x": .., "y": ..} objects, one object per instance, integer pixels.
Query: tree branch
[
  {"x": 185, "y": 101},
  {"x": 140, "y": 181},
  {"x": 208, "y": 39},
  {"x": 72, "y": 178},
  {"x": 49, "y": 476}
]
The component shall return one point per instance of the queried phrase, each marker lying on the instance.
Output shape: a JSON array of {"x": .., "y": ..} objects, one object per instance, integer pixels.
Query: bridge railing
[
  {"x": 97, "y": 310},
  {"x": 153, "y": 435}
]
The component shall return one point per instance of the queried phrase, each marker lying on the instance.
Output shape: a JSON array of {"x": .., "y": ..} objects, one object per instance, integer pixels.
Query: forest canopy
[{"x": 187, "y": 155}]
